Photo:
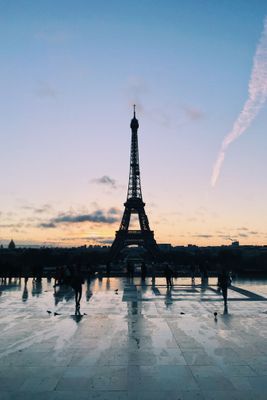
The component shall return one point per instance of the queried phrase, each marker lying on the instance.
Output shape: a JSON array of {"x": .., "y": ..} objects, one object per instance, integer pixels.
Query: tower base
[{"x": 134, "y": 237}]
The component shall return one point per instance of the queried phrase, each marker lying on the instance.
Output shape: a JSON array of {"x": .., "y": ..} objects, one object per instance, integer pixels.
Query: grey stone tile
[
  {"x": 169, "y": 377},
  {"x": 216, "y": 383},
  {"x": 73, "y": 384},
  {"x": 11, "y": 383},
  {"x": 28, "y": 396},
  {"x": 90, "y": 395},
  {"x": 206, "y": 371},
  {"x": 238, "y": 370},
  {"x": 197, "y": 357},
  {"x": 226, "y": 395},
  {"x": 109, "y": 378},
  {"x": 39, "y": 384},
  {"x": 4, "y": 395},
  {"x": 258, "y": 383}
]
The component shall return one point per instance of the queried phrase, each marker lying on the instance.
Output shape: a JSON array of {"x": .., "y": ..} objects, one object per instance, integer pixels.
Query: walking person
[
  {"x": 193, "y": 272},
  {"x": 168, "y": 274},
  {"x": 224, "y": 282},
  {"x": 143, "y": 271},
  {"x": 76, "y": 284}
]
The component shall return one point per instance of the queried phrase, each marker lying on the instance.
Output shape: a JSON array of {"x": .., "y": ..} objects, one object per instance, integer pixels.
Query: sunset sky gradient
[{"x": 70, "y": 73}]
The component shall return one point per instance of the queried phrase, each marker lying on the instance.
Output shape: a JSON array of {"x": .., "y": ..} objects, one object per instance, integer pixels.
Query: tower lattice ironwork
[{"x": 134, "y": 205}]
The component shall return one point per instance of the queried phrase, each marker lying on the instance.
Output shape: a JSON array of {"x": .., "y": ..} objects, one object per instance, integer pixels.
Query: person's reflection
[
  {"x": 62, "y": 293},
  {"x": 37, "y": 287},
  {"x": 100, "y": 279},
  {"x": 153, "y": 277},
  {"x": 25, "y": 293},
  {"x": 77, "y": 317},
  {"x": 133, "y": 308},
  {"x": 88, "y": 293},
  {"x": 168, "y": 296},
  {"x": 143, "y": 272},
  {"x": 204, "y": 285}
]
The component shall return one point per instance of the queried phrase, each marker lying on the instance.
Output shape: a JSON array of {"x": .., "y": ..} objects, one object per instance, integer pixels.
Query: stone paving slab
[{"x": 133, "y": 340}]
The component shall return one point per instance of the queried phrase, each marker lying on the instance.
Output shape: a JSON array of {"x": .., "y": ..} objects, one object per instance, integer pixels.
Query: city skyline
[{"x": 70, "y": 75}]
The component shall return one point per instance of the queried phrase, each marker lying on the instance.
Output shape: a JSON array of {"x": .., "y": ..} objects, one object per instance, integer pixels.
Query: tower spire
[{"x": 134, "y": 185}]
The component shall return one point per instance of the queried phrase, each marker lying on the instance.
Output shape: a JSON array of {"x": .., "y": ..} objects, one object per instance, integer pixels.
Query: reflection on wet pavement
[{"x": 133, "y": 340}]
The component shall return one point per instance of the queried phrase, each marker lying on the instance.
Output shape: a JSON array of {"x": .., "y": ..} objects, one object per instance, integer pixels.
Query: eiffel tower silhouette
[{"x": 134, "y": 205}]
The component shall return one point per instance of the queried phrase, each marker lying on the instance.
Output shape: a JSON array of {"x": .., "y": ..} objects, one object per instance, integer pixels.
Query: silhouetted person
[
  {"x": 168, "y": 274},
  {"x": 153, "y": 276},
  {"x": 204, "y": 273},
  {"x": 143, "y": 271},
  {"x": 88, "y": 272},
  {"x": 108, "y": 269},
  {"x": 59, "y": 276},
  {"x": 224, "y": 282},
  {"x": 193, "y": 272},
  {"x": 67, "y": 275},
  {"x": 76, "y": 284}
]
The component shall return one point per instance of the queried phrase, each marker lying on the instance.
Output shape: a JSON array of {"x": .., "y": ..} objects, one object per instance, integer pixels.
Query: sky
[{"x": 69, "y": 75}]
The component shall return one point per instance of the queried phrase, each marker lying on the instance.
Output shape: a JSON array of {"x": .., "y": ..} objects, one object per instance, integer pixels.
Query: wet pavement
[{"x": 133, "y": 340}]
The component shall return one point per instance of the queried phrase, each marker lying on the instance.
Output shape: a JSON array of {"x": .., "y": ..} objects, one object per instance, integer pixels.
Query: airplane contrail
[{"x": 257, "y": 95}]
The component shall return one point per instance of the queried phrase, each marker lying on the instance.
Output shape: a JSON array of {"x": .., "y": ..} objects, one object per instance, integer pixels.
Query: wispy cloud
[
  {"x": 203, "y": 235},
  {"x": 137, "y": 90},
  {"x": 37, "y": 210},
  {"x": 94, "y": 238},
  {"x": 13, "y": 226},
  {"x": 98, "y": 216},
  {"x": 106, "y": 180},
  {"x": 45, "y": 90},
  {"x": 47, "y": 225},
  {"x": 257, "y": 94},
  {"x": 192, "y": 113},
  {"x": 244, "y": 235}
]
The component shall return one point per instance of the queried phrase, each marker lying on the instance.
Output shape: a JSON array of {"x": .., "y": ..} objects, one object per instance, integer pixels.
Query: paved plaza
[{"x": 133, "y": 340}]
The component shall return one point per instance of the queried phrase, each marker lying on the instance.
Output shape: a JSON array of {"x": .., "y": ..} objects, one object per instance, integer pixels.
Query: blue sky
[{"x": 70, "y": 72}]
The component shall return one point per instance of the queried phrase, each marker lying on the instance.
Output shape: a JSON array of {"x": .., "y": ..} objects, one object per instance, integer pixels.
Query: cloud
[
  {"x": 98, "y": 216},
  {"x": 192, "y": 113},
  {"x": 43, "y": 209},
  {"x": 45, "y": 90},
  {"x": 13, "y": 226},
  {"x": 257, "y": 95},
  {"x": 227, "y": 237},
  {"x": 106, "y": 180},
  {"x": 105, "y": 242},
  {"x": 114, "y": 211},
  {"x": 242, "y": 235},
  {"x": 38, "y": 210},
  {"x": 93, "y": 238},
  {"x": 47, "y": 225},
  {"x": 203, "y": 235}
]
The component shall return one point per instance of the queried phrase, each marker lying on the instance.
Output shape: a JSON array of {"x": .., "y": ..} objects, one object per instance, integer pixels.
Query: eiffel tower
[{"x": 134, "y": 205}]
